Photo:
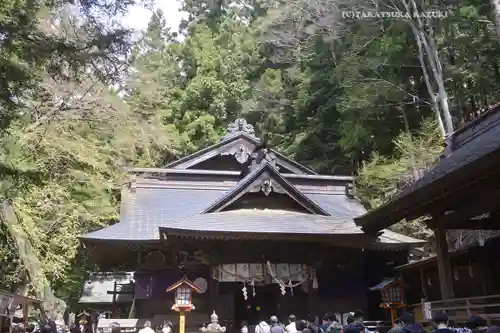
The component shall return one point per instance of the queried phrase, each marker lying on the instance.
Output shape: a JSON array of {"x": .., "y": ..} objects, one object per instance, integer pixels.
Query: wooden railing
[{"x": 459, "y": 309}]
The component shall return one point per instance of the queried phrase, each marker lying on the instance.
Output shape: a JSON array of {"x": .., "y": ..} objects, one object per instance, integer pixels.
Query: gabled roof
[
  {"x": 265, "y": 178},
  {"x": 384, "y": 283},
  {"x": 147, "y": 207},
  {"x": 240, "y": 143},
  {"x": 185, "y": 281}
]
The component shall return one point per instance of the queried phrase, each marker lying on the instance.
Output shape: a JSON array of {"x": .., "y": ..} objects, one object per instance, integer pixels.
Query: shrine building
[{"x": 259, "y": 233}]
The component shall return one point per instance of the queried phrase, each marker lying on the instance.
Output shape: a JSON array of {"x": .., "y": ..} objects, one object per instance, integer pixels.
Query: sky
[{"x": 138, "y": 16}]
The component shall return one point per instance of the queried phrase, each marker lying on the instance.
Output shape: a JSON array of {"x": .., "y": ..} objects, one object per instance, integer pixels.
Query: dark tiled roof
[
  {"x": 146, "y": 209},
  {"x": 391, "y": 237},
  {"x": 474, "y": 147},
  {"x": 276, "y": 222},
  {"x": 267, "y": 221},
  {"x": 337, "y": 204},
  {"x": 383, "y": 284}
]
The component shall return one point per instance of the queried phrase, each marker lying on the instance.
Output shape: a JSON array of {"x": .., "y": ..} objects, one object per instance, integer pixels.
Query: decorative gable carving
[
  {"x": 240, "y": 141},
  {"x": 267, "y": 185},
  {"x": 263, "y": 155},
  {"x": 240, "y": 151},
  {"x": 265, "y": 179},
  {"x": 238, "y": 126}
]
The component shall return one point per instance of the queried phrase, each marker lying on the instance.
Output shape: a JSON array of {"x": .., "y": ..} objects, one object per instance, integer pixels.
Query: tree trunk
[
  {"x": 428, "y": 48},
  {"x": 36, "y": 278},
  {"x": 496, "y": 10},
  {"x": 432, "y": 95}
]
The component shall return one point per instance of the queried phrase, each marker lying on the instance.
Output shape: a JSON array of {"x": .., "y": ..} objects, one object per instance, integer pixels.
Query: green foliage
[
  {"x": 78, "y": 156},
  {"x": 381, "y": 178},
  {"x": 64, "y": 137}
]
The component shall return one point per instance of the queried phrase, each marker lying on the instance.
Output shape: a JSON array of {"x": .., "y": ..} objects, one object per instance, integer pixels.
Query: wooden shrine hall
[
  {"x": 461, "y": 191},
  {"x": 259, "y": 233}
]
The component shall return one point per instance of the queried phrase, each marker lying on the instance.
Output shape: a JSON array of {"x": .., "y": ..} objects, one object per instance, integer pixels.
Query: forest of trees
[{"x": 80, "y": 99}]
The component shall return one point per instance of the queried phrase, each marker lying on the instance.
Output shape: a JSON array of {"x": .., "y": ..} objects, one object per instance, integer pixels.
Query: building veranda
[
  {"x": 258, "y": 233},
  {"x": 461, "y": 192}
]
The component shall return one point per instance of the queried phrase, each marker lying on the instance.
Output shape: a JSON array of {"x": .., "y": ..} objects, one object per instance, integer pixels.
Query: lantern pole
[
  {"x": 393, "y": 316},
  {"x": 182, "y": 322}
]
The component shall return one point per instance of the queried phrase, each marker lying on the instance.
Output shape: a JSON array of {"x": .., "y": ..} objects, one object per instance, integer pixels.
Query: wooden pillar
[
  {"x": 182, "y": 322},
  {"x": 213, "y": 289},
  {"x": 310, "y": 296},
  {"x": 484, "y": 272},
  {"x": 444, "y": 264},
  {"x": 311, "y": 293},
  {"x": 423, "y": 288}
]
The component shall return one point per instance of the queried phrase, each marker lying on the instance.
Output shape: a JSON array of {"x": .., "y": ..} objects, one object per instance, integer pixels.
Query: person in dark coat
[
  {"x": 354, "y": 328},
  {"x": 301, "y": 326},
  {"x": 477, "y": 324},
  {"x": 408, "y": 324},
  {"x": 312, "y": 326}
]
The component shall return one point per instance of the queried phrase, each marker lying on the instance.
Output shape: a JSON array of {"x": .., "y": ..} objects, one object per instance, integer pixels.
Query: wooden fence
[{"x": 459, "y": 309}]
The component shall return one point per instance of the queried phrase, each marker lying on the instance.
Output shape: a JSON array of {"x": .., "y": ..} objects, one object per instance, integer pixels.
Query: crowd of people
[
  {"x": 475, "y": 324},
  {"x": 330, "y": 324},
  {"x": 355, "y": 324}
]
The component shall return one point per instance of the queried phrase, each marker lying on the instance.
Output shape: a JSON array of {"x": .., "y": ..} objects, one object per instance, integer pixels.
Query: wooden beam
[
  {"x": 491, "y": 222},
  {"x": 444, "y": 265},
  {"x": 461, "y": 218}
]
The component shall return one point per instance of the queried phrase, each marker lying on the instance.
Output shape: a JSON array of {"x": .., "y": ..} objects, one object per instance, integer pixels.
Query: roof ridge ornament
[
  {"x": 240, "y": 125},
  {"x": 263, "y": 155}
]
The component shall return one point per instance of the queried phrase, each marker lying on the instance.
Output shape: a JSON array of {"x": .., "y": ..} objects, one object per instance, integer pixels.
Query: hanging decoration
[
  {"x": 471, "y": 272},
  {"x": 282, "y": 274},
  {"x": 314, "y": 279},
  {"x": 244, "y": 290},
  {"x": 202, "y": 283},
  {"x": 283, "y": 289},
  {"x": 481, "y": 238},
  {"x": 305, "y": 287},
  {"x": 455, "y": 273},
  {"x": 429, "y": 282}
]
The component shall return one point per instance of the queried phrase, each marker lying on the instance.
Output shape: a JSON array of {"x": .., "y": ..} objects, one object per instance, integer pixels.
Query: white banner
[
  {"x": 259, "y": 272},
  {"x": 243, "y": 272}
]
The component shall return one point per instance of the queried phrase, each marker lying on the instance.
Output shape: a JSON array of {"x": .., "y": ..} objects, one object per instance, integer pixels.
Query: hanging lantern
[
  {"x": 392, "y": 294},
  {"x": 183, "y": 294}
]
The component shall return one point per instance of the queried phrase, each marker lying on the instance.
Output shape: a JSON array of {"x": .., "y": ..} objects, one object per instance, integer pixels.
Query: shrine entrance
[{"x": 258, "y": 308}]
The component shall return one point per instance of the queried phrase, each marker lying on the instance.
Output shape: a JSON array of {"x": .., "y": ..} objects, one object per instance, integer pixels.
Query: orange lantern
[
  {"x": 183, "y": 294},
  {"x": 183, "y": 301},
  {"x": 392, "y": 293}
]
